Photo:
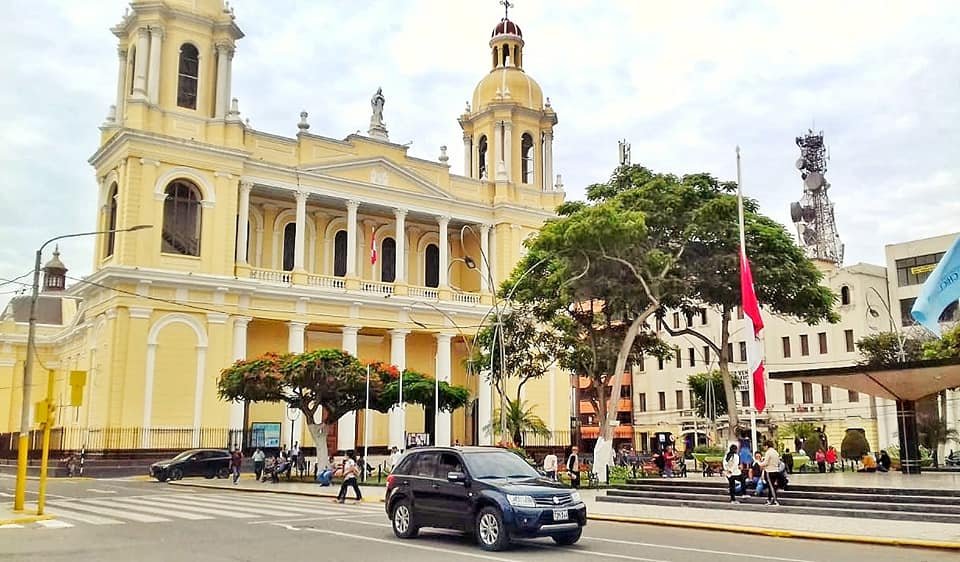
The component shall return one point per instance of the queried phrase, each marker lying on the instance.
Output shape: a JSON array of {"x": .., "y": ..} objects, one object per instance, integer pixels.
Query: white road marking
[
  {"x": 84, "y": 517},
  {"x": 372, "y": 524},
  {"x": 702, "y": 550},
  {"x": 149, "y": 507},
  {"x": 99, "y": 491},
  {"x": 138, "y": 517},
  {"x": 11, "y": 526},
  {"x": 54, "y": 524},
  {"x": 210, "y": 510},
  {"x": 235, "y": 506},
  {"x": 328, "y": 517}
]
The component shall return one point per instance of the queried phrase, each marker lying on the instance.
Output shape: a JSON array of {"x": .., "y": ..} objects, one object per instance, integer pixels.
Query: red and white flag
[
  {"x": 373, "y": 247},
  {"x": 754, "y": 328}
]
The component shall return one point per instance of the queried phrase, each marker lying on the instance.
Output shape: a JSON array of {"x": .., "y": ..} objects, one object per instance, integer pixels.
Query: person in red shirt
[
  {"x": 831, "y": 458},
  {"x": 236, "y": 459}
]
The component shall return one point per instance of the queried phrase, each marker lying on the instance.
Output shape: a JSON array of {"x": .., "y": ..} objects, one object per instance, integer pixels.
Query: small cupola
[
  {"x": 506, "y": 41},
  {"x": 54, "y": 273}
]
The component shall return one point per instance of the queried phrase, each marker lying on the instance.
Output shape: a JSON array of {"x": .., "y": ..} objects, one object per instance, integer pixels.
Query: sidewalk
[
  {"x": 878, "y": 531},
  {"x": 29, "y": 515}
]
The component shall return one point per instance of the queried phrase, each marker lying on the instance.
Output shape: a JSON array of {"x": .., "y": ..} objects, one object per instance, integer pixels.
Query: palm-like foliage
[
  {"x": 520, "y": 419},
  {"x": 933, "y": 432}
]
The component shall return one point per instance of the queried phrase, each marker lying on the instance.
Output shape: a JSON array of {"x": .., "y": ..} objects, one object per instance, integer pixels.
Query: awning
[
  {"x": 593, "y": 431},
  {"x": 906, "y": 381}
]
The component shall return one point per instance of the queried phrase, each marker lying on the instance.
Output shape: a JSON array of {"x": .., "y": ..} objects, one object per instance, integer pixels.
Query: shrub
[
  {"x": 854, "y": 445},
  {"x": 708, "y": 450}
]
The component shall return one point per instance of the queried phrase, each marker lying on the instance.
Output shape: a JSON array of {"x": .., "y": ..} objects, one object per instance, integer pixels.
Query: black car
[
  {"x": 489, "y": 492},
  {"x": 195, "y": 462}
]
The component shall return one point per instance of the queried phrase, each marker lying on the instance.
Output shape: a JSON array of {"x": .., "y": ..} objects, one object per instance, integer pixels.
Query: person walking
[
  {"x": 394, "y": 458},
  {"x": 258, "y": 461},
  {"x": 668, "y": 458},
  {"x": 821, "y": 458},
  {"x": 350, "y": 472},
  {"x": 550, "y": 465},
  {"x": 770, "y": 464},
  {"x": 831, "y": 458},
  {"x": 573, "y": 466},
  {"x": 236, "y": 460},
  {"x": 731, "y": 469}
]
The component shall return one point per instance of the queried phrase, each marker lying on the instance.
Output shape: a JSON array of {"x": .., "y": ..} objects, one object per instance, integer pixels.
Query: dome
[
  {"x": 506, "y": 27},
  {"x": 521, "y": 88}
]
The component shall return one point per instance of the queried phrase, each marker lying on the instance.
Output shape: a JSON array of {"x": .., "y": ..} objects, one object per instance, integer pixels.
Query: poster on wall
[
  {"x": 417, "y": 440},
  {"x": 265, "y": 435}
]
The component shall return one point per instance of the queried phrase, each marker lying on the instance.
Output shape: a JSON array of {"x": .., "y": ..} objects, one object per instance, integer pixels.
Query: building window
[
  {"x": 807, "y": 390},
  {"x": 906, "y": 318},
  {"x": 826, "y": 394},
  {"x": 676, "y": 354},
  {"x": 853, "y": 396},
  {"x": 785, "y": 340},
  {"x": 642, "y": 402},
  {"x": 340, "y": 254},
  {"x": 644, "y": 441},
  {"x": 822, "y": 337},
  {"x": 187, "y": 75},
  {"x": 950, "y": 314},
  {"x": 703, "y": 316},
  {"x": 111, "y": 222},
  {"x": 289, "y": 245},
  {"x": 431, "y": 266},
  {"x": 730, "y": 351},
  {"x": 642, "y": 363},
  {"x": 788, "y": 393},
  {"x": 745, "y": 398},
  {"x": 676, "y": 320},
  {"x": 388, "y": 263},
  {"x": 848, "y": 337},
  {"x": 625, "y": 418},
  {"x": 739, "y": 313},
  {"x": 689, "y": 318},
  {"x": 181, "y": 219},
  {"x": 625, "y": 392},
  {"x": 482, "y": 156},
  {"x": 133, "y": 69},
  {"x": 660, "y": 363},
  {"x": 526, "y": 158},
  {"x": 914, "y": 271},
  {"x": 662, "y": 396},
  {"x": 679, "y": 399},
  {"x": 804, "y": 345},
  {"x": 692, "y": 357},
  {"x": 706, "y": 355},
  {"x": 844, "y": 295},
  {"x": 743, "y": 351}
]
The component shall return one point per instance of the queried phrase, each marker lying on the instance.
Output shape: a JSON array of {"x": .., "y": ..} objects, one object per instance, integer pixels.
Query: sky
[{"x": 683, "y": 82}]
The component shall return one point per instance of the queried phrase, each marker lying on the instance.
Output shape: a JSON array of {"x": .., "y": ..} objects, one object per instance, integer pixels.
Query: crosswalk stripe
[
  {"x": 11, "y": 526},
  {"x": 320, "y": 502},
  {"x": 84, "y": 517},
  {"x": 320, "y": 505},
  {"x": 54, "y": 524},
  {"x": 149, "y": 507},
  {"x": 133, "y": 516},
  {"x": 208, "y": 509},
  {"x": 240, "y": 508}
]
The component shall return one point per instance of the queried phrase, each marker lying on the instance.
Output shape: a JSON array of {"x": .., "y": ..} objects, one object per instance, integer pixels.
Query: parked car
[
  {"x": 195, "y": 462},
  {"x": 489, "y": 492}
]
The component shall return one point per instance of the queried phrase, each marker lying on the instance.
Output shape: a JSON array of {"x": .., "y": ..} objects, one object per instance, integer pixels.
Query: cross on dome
[{"x": 506, "y": 8}]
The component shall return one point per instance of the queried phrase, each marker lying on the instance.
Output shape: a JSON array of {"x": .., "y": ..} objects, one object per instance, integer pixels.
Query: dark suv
[
  {"x": 195, "y": 462},
  {"x": 489, "y": 492}
]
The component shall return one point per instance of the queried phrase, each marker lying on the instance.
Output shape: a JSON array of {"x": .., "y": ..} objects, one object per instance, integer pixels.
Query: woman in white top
[{"x": 731, "y": 469}]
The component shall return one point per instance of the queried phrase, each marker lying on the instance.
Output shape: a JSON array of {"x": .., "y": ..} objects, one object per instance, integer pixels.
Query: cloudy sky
[{"x": 683, "y": 82}]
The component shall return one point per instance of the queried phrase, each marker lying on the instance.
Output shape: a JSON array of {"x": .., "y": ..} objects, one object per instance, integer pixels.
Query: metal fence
[
  {"x": 124, "y": 438},
  {"x": 556, "y": 439}
]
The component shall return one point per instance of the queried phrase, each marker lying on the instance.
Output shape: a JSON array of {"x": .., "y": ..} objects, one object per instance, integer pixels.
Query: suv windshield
[
  {"x": 498, "y": 465},
  {"x": 184, "y": 455}
]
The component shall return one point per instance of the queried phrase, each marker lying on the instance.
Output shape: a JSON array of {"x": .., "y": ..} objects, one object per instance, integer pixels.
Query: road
[{"x": 119, "y": 520}]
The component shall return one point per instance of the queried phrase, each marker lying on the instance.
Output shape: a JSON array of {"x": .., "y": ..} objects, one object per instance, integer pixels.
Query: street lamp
[
  {"x": 21, "y": 485},
  {"x": 902, "y": 356}
]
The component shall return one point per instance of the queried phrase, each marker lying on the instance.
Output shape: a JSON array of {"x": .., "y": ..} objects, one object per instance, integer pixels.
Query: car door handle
[{"x": 435, "y": 486}]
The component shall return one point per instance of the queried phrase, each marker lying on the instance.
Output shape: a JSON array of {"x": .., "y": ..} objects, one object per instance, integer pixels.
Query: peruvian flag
[
  {"x": 754, "y": 327},
  {"x": 373, "y": 247}
]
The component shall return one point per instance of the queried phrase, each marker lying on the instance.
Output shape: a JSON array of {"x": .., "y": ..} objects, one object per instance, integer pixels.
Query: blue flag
[{"x": 939, "y": 291}]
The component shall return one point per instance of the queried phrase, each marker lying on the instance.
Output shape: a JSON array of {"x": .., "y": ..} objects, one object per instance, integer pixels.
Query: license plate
[{"x": 561, "y": 515}]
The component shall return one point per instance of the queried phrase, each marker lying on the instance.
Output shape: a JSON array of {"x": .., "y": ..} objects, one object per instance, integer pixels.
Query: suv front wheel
[
  {"x": 402, "y": 520},
  {"x": 490, "y": 531},
  {"x": 568, "y": 538}
]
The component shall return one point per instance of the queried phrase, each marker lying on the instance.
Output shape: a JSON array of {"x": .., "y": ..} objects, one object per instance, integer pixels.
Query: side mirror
[{"x": 457, "y": 477}]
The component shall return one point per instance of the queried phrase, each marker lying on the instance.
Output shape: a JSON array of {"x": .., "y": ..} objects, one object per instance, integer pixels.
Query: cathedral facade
[{"x": 263, "y": 243}]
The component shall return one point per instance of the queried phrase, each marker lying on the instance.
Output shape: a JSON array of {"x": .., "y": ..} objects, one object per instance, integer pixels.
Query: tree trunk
[
  {"x": 725, "y": 372},
  {"x": 319, "y": 431}
]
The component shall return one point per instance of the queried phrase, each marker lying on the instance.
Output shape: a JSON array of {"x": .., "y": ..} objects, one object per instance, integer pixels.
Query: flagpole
[
  {"x": 743, "y": 245},
  {"x": 366, "y": 426}
]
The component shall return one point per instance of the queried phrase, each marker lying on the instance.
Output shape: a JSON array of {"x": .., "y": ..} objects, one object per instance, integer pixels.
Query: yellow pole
[
  {"x": 45, "y": 452},
  {"x": 22, "y": 445}
]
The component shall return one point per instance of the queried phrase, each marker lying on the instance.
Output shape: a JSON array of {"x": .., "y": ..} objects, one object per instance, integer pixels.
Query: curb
[
  {"x": 25, "y": 519},
  {"x": 264, "y": 491},
  {"x": 781, "y": 533}
]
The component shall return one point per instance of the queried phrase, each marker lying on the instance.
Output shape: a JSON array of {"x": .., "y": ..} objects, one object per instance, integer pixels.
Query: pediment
[{"x": 381, "y": 172}]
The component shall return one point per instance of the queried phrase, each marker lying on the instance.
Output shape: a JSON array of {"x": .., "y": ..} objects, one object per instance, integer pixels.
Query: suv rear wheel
[
  {"x": 568, "y": 538},
  {"x": 490, "y": 531},
  {"x": 402, "y": 519}
]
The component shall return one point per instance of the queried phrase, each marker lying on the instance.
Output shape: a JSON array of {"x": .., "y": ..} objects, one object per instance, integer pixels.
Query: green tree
[
  {"x": 854, "y": 445},
  {"x": 698, "y": 385},
  {"x": 933, "y": 433},
  {"x": 945, "y": 347},
  {"x": 520, "y": 419},
  {"x": 883, "y": 349}
]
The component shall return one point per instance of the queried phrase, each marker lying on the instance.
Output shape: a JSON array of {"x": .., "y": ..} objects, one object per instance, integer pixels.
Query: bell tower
[
  {"x": 508, "y": 128},
  {"x": 175, "y": 59}
]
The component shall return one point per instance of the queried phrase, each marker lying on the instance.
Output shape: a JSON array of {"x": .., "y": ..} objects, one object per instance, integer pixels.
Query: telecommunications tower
[{"x": 813, "y": 214}]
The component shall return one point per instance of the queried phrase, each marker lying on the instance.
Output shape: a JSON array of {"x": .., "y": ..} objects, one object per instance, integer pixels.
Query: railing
[
  {"x": 376, "y": 287},
  {"x": 556, "y": 439},
  {"x": 423, "y": 292},
  {"x": 122, "y": 438},
  {"x": 468, "y": 298},
  {"x": 326, "y": 281},
  {"x": 271, "y": 275}
]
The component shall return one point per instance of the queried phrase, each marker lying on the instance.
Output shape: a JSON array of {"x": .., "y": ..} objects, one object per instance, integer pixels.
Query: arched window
[
  {"x": 388, "y": 265},
  {"x": 132, "y": 75},
  {"x": 289, "y": 245},
  {"x": 188, "y": 73},
  {"x": 181, "y": 219},
  {"x": 340, "y": 254},
  {"x": 506, "y": 55},
  {"x": 526, "y": 158},
  {"x": 496, "y": 56},
  {"x": 431, "y": 266},
  {"x": 111, "y": 221},
  {"x": 482, "y": 156},
  {"x": 844, "y": 295}
]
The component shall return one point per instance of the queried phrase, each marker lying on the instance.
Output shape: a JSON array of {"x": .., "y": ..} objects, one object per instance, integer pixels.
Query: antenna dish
[
  {"x": 796, "y": 212},
  {"x": 813, "y": 181},
  {"x": 800, "y": 163}
]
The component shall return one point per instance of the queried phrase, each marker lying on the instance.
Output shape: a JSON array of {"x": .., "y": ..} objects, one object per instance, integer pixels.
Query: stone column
[
  {"x": 300, "y": 237},
  {"x": 352, "y": 238},
  {"x": 444, "y": 223},
  {"x": 508, "y": 149},
  {"x": 494, "y": 255},
  {"x": 292, "y": 429},
  {"x": 347, "y": 424},
  {"x": 467, "y": 156},
  {"x": 443, "y": 374},
  {"x": 398, "y": 358},
  {"x": 548, "y": 161},
  {"x": 121, "y": 82},
  {"x": 239, "y": 352},
  {"x": 484, "y": 409},
  {"x": 140, "y": 64},
  {"x": 400, "y": 237},
  {"x": 220, "y": 99},
  {"x": 153, "y": 77},
  {"x": 243, "y": 222},
  {"x": 496, "y": 155},
  {"x": 484, "y": 258}
]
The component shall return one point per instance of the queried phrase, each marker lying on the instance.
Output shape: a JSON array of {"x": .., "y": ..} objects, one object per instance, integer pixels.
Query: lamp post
[
  {"x": 23, "y": 442},
  {"x": 902, "y": 356}
]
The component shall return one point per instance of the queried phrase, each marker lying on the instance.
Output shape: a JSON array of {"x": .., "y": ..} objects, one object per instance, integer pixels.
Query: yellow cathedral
[{"x": 263, "y": 243}]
